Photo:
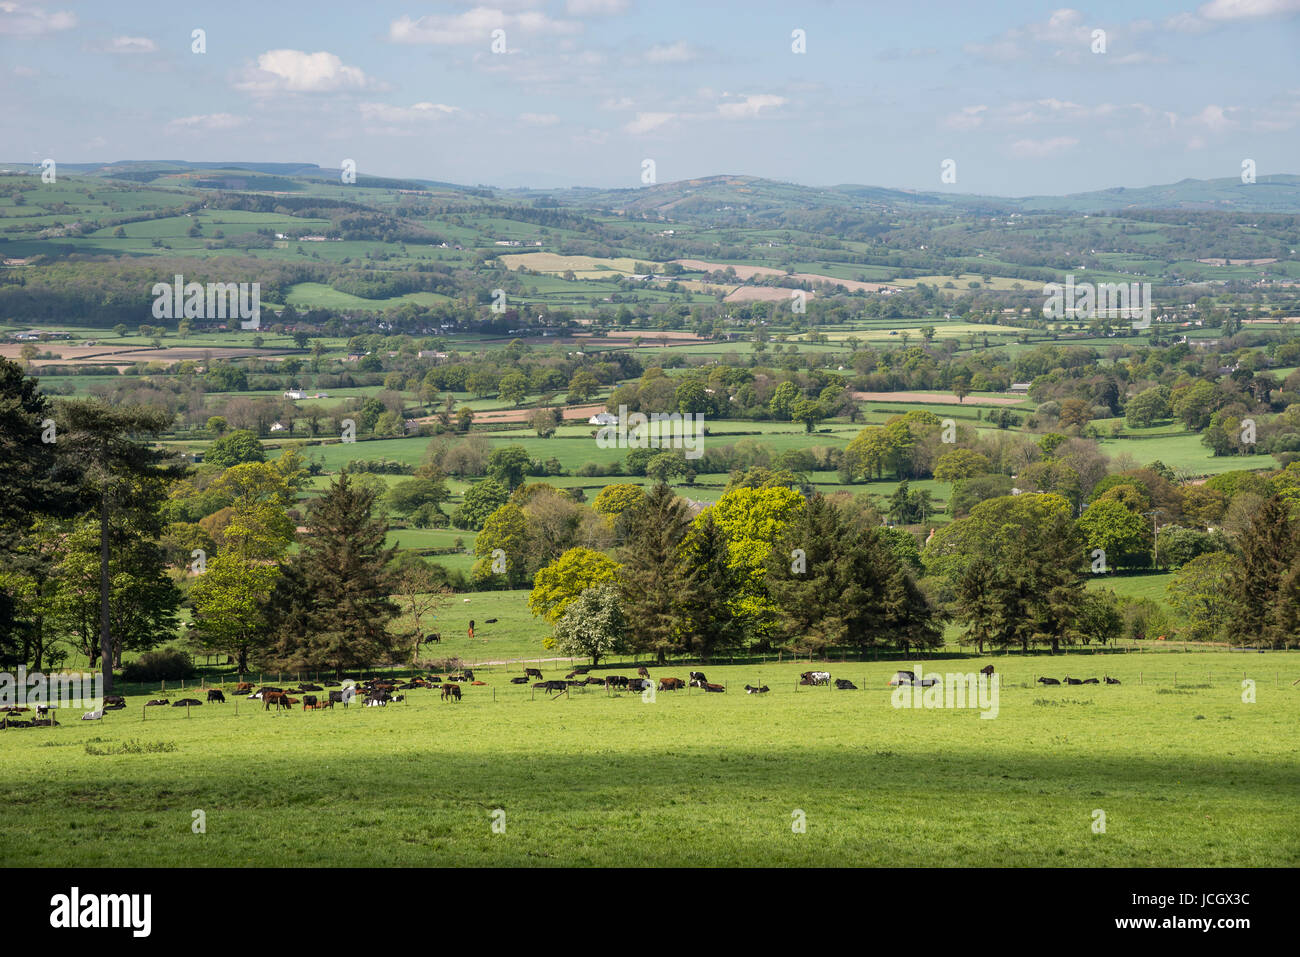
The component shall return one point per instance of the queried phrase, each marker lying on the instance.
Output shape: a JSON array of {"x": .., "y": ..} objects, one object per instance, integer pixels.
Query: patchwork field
[{"x": 1186, "y": 774}]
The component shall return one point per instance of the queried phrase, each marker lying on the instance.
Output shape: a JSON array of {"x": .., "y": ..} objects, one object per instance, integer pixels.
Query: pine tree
[
  {"x": 650, "y": 560},
  {"x": 331, "y": 608},
  {"x": 1268, "y": 552},
  {"x": 705, "y": 584}
]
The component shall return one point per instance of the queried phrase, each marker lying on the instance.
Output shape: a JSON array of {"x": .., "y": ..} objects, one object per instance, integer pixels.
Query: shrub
[{"x": 165, "y": 664}]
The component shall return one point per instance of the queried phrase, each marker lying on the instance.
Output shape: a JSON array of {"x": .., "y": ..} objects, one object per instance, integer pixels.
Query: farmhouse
[
  {"x": 295, "y": 394},
  {"x": 603, "y": 418},
  {"x": 1019, "y": 388}
]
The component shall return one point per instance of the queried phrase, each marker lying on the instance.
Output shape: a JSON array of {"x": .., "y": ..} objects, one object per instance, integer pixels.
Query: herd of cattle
[{"x": 378, "y": 693}]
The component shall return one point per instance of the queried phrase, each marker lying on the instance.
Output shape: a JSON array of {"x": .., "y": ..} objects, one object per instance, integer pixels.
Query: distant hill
[{"x": 723, "y": 198}]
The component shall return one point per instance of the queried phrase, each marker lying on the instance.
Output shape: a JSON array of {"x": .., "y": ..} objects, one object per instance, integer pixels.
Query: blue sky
[{"x": 585, "y": 90}]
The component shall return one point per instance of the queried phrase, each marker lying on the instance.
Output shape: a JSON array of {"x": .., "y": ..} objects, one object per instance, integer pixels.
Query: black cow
[
  {"x": 491, "y": 621},
  {"x": 616, "y": 681},
  {"x": 698, "y": 676},
  {"x": 844, "y": 684},
  {"x": 113, "y": 702},
  {"x": 533, "y": 673},
  {"x": 214, "y": 694},
  {"x": 551, "y": 686},
  {"x": 987, "y": 670},
  {"x": 186, "y": 701},
  {"x": 157, "y": 702},
  {"x": 749, "y": 689},
  {"x": 519, "y": 681},
  {"x": 1048, "y": 681},
  {"x": 640, "y": 684},
  {"x": 1111, "y": 681},
  {"x": 1072, "y": 681},
  {"x": 1090, "y": 681}
]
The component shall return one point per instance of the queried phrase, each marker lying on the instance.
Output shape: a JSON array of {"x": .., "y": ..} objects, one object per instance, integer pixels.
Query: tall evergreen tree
[
  {"x": 1261, "y": 584},
  {"x": 706, "y": 581},
  {"x": 127, "y": 478},
  {"x": 331, "y": 608},
  {"x": 650, "y": 559}
]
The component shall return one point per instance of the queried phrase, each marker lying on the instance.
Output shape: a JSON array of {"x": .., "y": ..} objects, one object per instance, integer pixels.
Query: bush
[{"x": 165, "y": 664}]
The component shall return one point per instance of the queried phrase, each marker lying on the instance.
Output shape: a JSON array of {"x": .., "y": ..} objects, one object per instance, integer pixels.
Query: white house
[
  {"x": 603, "y": 418},
  {"x": 277, "y": 426},
  {"x": 295, "y": 394}
]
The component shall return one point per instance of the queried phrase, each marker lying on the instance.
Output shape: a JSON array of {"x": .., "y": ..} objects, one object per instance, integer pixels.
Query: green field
[{"x": 1184, "y": 771}]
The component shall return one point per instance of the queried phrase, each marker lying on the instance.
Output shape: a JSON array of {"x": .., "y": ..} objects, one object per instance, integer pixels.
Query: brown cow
[
  {"x": 643, "y": 672},
  {"x": 671, "y": 684},
  {"x": 987, "y": 670},
  {"x": 277, "y": 698},
  {"x": 450, "y": 691},
  {"x": 243, "y": 686}
]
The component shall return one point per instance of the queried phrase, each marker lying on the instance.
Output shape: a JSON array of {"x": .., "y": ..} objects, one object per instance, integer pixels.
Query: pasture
[{"x": 1187, "y": 775}]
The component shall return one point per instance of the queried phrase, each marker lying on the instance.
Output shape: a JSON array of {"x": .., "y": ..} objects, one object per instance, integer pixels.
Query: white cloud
[
  {"x": 967, "y": 118},
  {"x": 539, "y": 119},
  {"x": 621, "y": 103},
  {"x": 645, "y": 122},
  {"x": 208, "y": 121},
  {"x": 1038, "y": 149},
  {"x": 405, "y": 115},
  {"x": 1248, "y": 9},
  {"x": 679, "y": 52},
  {"x": 586, "y": 8},
  {"x": 131, "y": 45},
  {"x": 24, "y": 19},
  {"x": 298, "y": 72},
  {"x": 749, "y": 105},
  {"x": 475, "y": 27}
]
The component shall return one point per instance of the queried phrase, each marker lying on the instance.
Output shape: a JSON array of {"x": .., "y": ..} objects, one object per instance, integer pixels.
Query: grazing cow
[
  {"x": 1072, "y": 681},
  {"x": 519, "y": 681},
  {"x": 815, "y": 678},
  {"x": 749, "y": 689},
  {"x": 450, "y": 691},
  {"x": 157, "y": 702},
  {"x": 183, "y": 702},
  {"x": 1111, "y": 681},
  {"x": 671, "y": 684},
  {"x": 214, "y": 694},
  {"x": 469, "y": 674},
  {"x": 1048, "y": 681},
  {"x": 710, "y": 687},
  {"x": 341, "y": 697},
  {"x": 261, "y": 693},
  {"x": 844, "y": 684},
  {"x": 616, "y": 681},
  {"x": 643, "y": 672},
  {"x": 987, "y": 671},
  {"x": 308, "y": 701},
  {"x": 533, "y": 673},
  {"x": 277, "y": 698},
  {"x": 551, "y": 686},
  {"x": 640, "y": 684},
  {"x": 1090, "y": 681}
]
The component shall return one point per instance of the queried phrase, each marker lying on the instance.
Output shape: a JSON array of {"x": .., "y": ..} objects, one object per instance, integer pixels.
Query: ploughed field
[{"x": 1186, "y": 774}]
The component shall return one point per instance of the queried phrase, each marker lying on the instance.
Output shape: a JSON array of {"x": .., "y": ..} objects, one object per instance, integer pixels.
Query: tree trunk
[{"x": 105, "y": 641}]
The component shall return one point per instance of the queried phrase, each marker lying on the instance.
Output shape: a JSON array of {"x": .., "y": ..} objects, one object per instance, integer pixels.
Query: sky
[{"x": 1023, "y": 98}]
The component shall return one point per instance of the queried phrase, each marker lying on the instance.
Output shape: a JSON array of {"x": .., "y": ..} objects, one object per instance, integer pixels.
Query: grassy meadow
[{"x": 1184, "y": 771}]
